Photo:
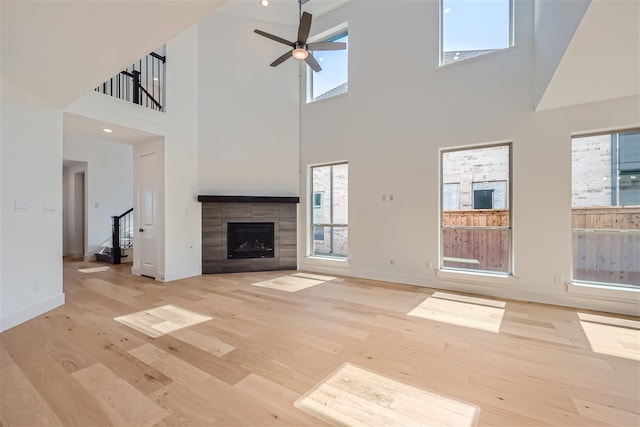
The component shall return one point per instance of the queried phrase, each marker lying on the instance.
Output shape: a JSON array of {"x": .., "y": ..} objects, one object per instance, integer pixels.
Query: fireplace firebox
[{"x": 250, "y": 240}]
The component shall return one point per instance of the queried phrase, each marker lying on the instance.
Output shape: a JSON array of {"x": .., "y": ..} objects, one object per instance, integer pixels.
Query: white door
[{"x": 148, "y": 167}]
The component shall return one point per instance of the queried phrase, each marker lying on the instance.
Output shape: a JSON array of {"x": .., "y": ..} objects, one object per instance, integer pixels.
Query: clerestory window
[
  {"x": 333, "y": 79},
  {"x": 471, "y": 28}
]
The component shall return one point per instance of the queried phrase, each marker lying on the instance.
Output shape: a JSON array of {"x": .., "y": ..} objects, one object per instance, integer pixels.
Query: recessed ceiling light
[
  {"x": 107, "y": 130},
  {"x": 265, "y": 2}
]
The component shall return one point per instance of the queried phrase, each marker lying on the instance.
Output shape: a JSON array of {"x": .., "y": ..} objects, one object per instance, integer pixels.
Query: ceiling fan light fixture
[{"x": 300, "y": 53}]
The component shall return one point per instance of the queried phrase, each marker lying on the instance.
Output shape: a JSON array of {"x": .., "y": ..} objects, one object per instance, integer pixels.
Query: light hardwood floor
[{"x": 264, "y": 349}]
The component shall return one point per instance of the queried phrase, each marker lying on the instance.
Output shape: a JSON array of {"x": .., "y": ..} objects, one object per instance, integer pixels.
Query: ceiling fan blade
[
  {"x": 304, "y": 28},
  {"x": 313, "y": 63},
  {"x": 327, "y": 46},
  {"x": 281, "y": 59},
  {"x": 276, "y": 38}
]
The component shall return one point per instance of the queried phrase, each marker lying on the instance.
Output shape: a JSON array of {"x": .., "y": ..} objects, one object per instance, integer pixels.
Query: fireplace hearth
[{"x": 250, "y": 240}]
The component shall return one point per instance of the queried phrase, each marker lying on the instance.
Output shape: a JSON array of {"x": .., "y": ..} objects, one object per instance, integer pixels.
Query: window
[
  {"x": 451, "y": 196},
  {"x": 476, "y": 229},
  {"x": 605, "y": 201},
  {"x": 329, "y": 219},
  {"x": 482, "y": 199},
  {"x": 333, "y": 79},
  {"x": 490, "y": 195},
  {"x": 317, "y": 200},
  {"x": 470, "y": 28}
]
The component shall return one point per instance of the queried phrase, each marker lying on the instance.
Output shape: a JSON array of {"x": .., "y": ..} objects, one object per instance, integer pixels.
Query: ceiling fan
[{"x": 300, "y": 49}]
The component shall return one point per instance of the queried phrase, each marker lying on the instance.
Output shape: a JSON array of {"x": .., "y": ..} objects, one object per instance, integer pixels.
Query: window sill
[
  {"x": 327, "y": 262},
  {"x": 475, "y": 60},
  {"x": 321, "y": 100},
  {"x": 612, "y": 293},
  {"x": 478, "y": 278}
]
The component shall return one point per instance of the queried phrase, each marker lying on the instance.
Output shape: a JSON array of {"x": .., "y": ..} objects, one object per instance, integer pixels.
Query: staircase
[{"x": 121, "y": 239}]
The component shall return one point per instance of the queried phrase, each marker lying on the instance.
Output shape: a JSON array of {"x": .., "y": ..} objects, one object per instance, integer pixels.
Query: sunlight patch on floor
[
  {"x": 460, "y": 310},
  {"x": 611, "y": 335},
  {"x": 353, "y": 396},
  {"x": 93, "y": 270},
  {"x": 158, "y": 321},
  {"x": 294, "y": 282}
]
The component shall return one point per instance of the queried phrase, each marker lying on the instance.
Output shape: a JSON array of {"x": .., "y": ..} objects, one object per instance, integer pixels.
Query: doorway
[{"x": 74, "y": 212}]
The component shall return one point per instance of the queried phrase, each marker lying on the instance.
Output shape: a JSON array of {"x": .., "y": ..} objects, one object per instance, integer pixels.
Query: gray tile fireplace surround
[{"x": 217, "y": 211}]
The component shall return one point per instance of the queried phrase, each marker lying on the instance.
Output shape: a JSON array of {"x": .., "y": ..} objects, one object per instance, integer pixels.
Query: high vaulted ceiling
[
  {"x": 284, "y": 12},
  {"x": 61, "y": 50},
  {"x": 603, "y": 59}
]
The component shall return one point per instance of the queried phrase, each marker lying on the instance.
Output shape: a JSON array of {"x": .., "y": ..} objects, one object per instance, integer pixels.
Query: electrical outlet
[
  {"x": 391, "y": 197},
  {"x": 558, "y": 278},
  {"x": 392, "y": 262},
  {"x": 428, "y": 265}
]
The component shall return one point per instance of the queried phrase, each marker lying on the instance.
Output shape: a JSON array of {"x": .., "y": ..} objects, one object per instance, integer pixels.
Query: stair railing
[
  {"x": 141, "y": 83},
  {"x": 121, "y": 234}
]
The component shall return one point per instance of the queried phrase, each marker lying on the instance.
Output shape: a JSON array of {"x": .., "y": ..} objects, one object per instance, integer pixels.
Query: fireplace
[
  {"x": 250, "y": 240},
  {"x": 220, "y": 211}
]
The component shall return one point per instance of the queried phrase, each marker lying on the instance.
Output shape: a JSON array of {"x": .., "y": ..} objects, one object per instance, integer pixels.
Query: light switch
[
  {"x": 20, "y": 206},
  {"x": 49, "y": 207}
]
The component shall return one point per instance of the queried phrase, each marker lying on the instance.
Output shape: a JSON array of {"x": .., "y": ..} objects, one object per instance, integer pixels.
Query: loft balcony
[{"x": 141, "y": 83}]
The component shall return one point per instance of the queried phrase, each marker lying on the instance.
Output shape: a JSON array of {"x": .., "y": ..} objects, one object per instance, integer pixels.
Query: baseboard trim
[
  {"x": 180, "y": 275},
  {"x": 558, "y": 298},
  {"x": 14, "y": 319}
]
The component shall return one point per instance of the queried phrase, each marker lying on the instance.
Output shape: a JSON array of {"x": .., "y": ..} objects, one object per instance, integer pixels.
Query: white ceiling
[
  {"x": 603, "y": 59},
  {"x": 61, "y": 50},
  {"x": 84, "y": 127},
  {"x": 284, "y": 12}
]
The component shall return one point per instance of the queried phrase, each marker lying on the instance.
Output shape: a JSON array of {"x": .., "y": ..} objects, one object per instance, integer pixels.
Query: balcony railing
[{"x": 141, "y": 83}]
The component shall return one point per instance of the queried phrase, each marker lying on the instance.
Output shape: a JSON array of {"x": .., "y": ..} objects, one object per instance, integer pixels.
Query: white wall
[
  {"x": 31, "y": 276},
  {"x": 179, "y": 246},
  {"x": 109, "y": 185},
  {"x": 402, "y": 109},
  {"x": 555, "y": 24},
  {"x": 183, "y": 223},
  {"x": 248, "y": 111}
]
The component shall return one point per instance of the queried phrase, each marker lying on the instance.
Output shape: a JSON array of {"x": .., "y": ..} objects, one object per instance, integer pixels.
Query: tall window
[
  {"x": 476, "y": 227},
  {"x": 605, "y": 200},
  {"x": 330, "y": 210},
  {"x": 333, "y": 79},
  {"x": 470, "y": 28}
]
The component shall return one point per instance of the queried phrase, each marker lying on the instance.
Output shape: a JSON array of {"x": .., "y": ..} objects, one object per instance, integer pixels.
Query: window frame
[
  {"x": 331, "y": 34},
  {"x": 509, "y": 204},
  {"x": 311, "y": 225},
  {"x": 591, "y": 231},
  {"x": 441, "y": 10}
]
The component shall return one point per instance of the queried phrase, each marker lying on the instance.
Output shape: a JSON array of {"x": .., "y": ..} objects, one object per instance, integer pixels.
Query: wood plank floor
[{"x": 264, "y": 349}]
